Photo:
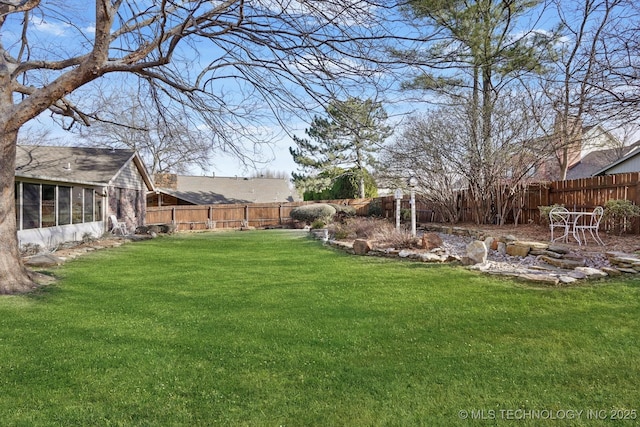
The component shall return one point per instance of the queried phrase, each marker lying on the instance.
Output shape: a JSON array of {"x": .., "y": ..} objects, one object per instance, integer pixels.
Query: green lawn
[{"x": 270, "y": 328}]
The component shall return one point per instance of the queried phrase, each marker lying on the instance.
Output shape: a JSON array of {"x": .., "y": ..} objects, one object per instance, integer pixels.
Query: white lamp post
[
  {"x": 398, "y": 196},
  {"x": 412, "y": 185}
]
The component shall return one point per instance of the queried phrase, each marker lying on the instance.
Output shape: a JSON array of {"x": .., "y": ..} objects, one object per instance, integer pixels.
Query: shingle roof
[
  {"x": 203, "y": 190},
  {"x": 85, "y": 165},
  {"x": 595, "y": 161}
]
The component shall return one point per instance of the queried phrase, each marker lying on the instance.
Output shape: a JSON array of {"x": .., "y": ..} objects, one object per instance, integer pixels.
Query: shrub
[
  {"x": 620, "y": 212},
  {"x": 311, "y": 213},
  {"x": 375, "y": 208},
  {"x": 317, "y": 224},
  {"x": 544, "y": 213},
  {"x": 345, "y": 210},
  {"x": 376, "y": 229}
]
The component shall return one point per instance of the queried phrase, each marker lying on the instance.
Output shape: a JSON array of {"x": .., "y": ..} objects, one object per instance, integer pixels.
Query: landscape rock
[
  {"x": 544, "y": 278},
  {"x": 611, "y": 271},
  {"x": 43, "y": 260},
  {"x": 562, "y": 263},
  {"x": 516, "y": 249},
  {"x": 489, "y": 241},
  {"x": 432, "y": 257},
  {"x": 431, "y": 241},
  {"x": 576, "y": 274},
  {"x": 405, "y": 253},
  {"x": 591, "y": 272},
  {"x": 362, "y": 246},
  {"x": 477, "y": 252},
  {"x": 502, "y": 248},
  {"x": 558, "y": 249}
]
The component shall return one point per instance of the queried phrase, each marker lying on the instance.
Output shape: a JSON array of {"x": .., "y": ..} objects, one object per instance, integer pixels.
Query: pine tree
[{"x": 343, "y": 142}]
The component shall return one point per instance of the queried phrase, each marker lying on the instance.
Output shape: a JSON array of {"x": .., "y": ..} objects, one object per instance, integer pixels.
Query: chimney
[{"x": 166, "y": 180}]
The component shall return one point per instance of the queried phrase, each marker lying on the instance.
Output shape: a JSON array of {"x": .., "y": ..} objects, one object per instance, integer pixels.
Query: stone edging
[{"x": 555, "y": 264}]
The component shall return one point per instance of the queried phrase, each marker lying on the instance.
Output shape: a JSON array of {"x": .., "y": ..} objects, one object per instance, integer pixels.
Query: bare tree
[
  {"x": 161, "y": 132},
  {"x": 227, "y": 60},
  {"x": 617, "y": 78},
  {"x": 436, "y": 149},
  {"x": 481, "y": 49},
  {"x": 567, "y": 88}
]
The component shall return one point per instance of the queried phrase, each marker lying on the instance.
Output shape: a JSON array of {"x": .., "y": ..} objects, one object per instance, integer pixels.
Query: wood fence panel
[
  {"x": 158, "y": 216},
  {"x": 582, "y": 194}
]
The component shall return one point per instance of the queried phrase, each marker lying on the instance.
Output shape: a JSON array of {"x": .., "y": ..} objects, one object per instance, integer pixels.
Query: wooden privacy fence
[
  {"x": 202, "y": 217},
  {"x": 577, "y": 195}
]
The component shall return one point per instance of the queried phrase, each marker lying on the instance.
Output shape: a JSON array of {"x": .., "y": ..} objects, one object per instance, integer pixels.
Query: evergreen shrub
[{"x": 310, "y": 213}]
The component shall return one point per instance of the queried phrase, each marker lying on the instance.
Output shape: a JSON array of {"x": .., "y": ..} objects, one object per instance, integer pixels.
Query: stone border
[{"x": 554, "y": 264}]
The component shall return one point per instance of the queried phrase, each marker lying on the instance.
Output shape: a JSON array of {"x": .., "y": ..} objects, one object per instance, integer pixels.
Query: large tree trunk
[{"x": 14, "y": 277}]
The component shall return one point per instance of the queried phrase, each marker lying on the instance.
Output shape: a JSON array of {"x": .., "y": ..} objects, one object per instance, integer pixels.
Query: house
[
  {"x": 67, "y": 193},
  {"x": 629, "y": 163},
  {"x": 594, "y": 147},
  {"x": 174, "y": 190}
]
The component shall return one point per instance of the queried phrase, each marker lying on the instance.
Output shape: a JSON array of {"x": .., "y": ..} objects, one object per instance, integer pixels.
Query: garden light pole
[
  {"x": 398, "y": 196},
  {"x": 412, "y": 185}
]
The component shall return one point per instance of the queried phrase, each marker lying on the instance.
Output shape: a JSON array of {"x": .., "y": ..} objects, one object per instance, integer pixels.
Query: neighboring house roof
[
  {"x": 78, "y": 165},
  {"x": 203, "y": 190},
  {"x": 595, "y": 161},
  {"x": 628, "y": 163}
]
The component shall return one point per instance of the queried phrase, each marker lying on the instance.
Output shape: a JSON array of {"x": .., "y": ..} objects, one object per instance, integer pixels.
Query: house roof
[
  {"x": 78, "y": 165},
  {"x": 203, "y": 190},
  {"x": 633, "y": 152},
  {"x": 595, "y": 161}
]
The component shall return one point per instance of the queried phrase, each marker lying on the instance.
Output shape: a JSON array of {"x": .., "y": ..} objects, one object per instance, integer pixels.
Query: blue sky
[{"x": 53, "y": 35}]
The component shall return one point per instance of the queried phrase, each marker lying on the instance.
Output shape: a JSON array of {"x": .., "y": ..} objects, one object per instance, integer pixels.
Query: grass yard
[{"x": 269, "y": 328}]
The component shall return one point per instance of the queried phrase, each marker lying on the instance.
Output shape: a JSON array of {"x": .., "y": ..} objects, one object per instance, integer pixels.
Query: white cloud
[{"x": 55, "y": 29}]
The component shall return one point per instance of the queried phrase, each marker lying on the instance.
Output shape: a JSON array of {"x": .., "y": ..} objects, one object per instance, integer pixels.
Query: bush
[
  {"x": 379, "y": 230},
  {"x": 318, "y": 224},
  {"x": 344, "y": 210},
  {"x": 620, "y": 212},
  {"x": 314, "y": 212},
  {"x": 375, "y": 208},
  {"x": 544, "y": 213}
]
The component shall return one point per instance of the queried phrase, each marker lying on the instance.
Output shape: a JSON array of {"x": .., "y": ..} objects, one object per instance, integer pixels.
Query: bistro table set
[{"x": 575, "y": 223}]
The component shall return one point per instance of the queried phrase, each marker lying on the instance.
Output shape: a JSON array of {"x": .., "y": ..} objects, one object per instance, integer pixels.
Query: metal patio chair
[
  {"x": 590, "y": 224},
  {"x": 118, "y": 226},
  {"x": 559, "y": 217}
]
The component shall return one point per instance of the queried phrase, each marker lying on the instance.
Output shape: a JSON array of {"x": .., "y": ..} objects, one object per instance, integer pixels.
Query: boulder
[
  {"x": 517, "y": 249},
  {"x": 431, "y": 257},
  {"x": 558, "y": 249},
  {"x": 543, "y": 278},
  {"x": 551, "y": 254},
  {"x": 44, "y": 260},
  {"x": 502, "y": 248},
  {"x": 591, "y": 272},
  {"x": 563, "y": 263},
  {"x": 431, "y": 241},
  {"x": 611, "y": 271},
  {"x": 477, "y": 252},
  {"x": 361, "y": 246}
]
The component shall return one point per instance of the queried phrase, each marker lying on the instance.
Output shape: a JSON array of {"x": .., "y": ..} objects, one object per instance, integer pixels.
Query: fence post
[{"x": 246, "y": 214}]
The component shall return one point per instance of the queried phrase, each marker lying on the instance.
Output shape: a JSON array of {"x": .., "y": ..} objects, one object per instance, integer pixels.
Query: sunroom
[{"x": 68, "y": 193}]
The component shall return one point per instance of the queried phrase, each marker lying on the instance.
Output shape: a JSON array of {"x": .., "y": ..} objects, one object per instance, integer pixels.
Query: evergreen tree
[
  {"x": 480, "y": 53},
  {"x": 342, "y": 143}
]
